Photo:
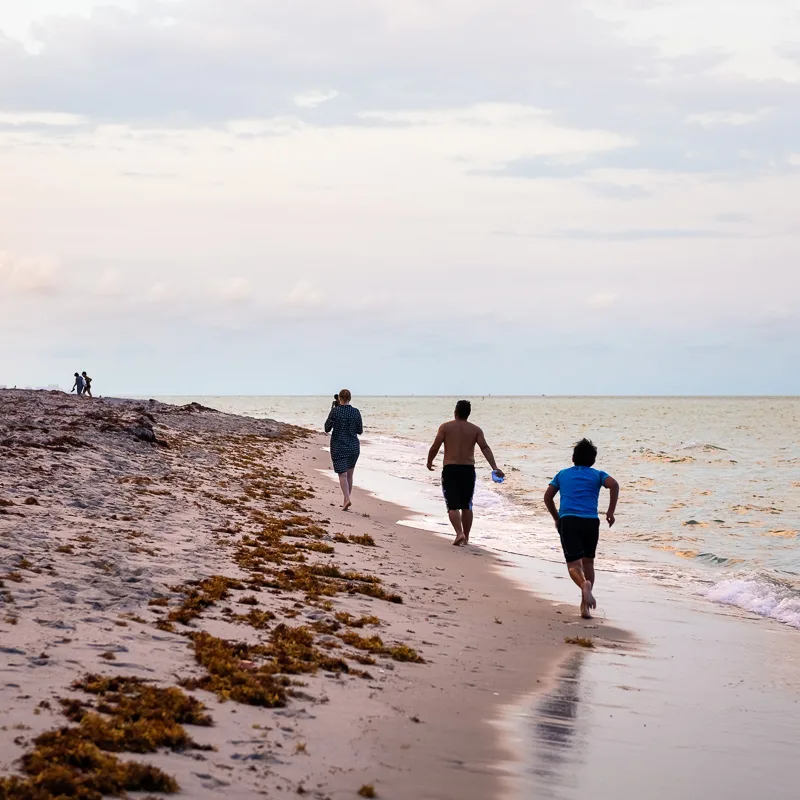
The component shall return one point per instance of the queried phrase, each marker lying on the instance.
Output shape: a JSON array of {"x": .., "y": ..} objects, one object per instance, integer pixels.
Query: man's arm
[
  {"x": 613, "y": 487},
  {"x": 550, "y": 502},
  {"x": 435, "y": 447},
  {"x": 487, "y": 452}
]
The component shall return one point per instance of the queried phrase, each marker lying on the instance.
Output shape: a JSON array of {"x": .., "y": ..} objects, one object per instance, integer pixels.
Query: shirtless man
[{"x": 458, "y": 474}]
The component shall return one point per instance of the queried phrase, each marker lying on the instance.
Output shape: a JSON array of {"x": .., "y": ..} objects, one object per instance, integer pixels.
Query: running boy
[{"x": 577, "y": 521}]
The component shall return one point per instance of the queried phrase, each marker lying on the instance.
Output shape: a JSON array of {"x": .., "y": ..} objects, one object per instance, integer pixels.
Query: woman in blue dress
[{"x": 344, "y": 422}]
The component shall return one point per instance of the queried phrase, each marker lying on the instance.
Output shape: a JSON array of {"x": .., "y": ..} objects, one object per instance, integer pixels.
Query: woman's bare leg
[
  {"x": 345, "y": 490},
  {"x": 350, "y": 480}
]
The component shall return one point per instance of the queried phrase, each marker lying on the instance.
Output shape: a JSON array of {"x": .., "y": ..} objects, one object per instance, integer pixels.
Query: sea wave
[{"x": 760, "y": 595}]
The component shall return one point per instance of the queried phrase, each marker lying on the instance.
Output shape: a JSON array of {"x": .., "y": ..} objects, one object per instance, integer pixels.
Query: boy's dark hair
[
  {"x": 463, "y": 409},
  {"x": 584, "y": 454}
]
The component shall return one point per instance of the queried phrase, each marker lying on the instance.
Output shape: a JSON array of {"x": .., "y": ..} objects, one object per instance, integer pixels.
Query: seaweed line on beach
[{"x": 257, "y": 524}]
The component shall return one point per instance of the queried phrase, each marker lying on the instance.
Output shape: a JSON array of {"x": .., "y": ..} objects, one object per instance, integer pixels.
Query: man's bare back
[{"x": 460, "y": 437}]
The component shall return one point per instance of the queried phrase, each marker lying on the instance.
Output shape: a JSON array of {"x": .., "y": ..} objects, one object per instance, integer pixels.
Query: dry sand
[{"x": 97, "y": 521}]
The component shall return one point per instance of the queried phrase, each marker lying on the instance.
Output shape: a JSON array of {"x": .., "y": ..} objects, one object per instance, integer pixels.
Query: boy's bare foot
[
  {"x": 585, "y": 611},
  {"x": 460, "y": 539},
  {"x": 588, "y": 597}
]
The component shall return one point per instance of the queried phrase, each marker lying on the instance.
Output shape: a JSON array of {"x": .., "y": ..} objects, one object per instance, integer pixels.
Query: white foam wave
[{"x": 759, "y": 596}]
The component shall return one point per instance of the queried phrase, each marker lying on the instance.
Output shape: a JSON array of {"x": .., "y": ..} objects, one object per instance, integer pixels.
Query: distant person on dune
[
  {"x": 459, "y": 437},
  {"x": 345, "y": 426},
  {"x": 577, "y": 521},
  {"x": 87, "y": 383},
  {"x": 78, "y": 385}
]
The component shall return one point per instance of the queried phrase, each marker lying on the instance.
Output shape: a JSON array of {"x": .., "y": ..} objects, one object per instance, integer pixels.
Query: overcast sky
[{"x": 402, "y": 196}]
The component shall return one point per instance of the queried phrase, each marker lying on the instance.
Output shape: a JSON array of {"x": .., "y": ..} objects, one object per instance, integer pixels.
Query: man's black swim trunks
[{"x": 458, "y": 486}]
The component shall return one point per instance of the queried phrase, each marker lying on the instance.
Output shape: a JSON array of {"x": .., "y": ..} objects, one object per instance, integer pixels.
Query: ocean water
[{"x": 710, "y": 487}]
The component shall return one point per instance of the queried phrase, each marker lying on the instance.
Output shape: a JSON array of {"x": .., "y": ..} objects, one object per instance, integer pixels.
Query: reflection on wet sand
[
  {"x": 555, "y": 740},
  {"x": 707, "y": 708}
]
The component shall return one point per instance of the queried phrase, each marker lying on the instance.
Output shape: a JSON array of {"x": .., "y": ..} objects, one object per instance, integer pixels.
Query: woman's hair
[{"x": 345, "y": 396}]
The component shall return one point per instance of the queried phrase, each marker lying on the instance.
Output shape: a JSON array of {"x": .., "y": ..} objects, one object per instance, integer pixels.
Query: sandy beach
[{"x": 286, "y": 647}]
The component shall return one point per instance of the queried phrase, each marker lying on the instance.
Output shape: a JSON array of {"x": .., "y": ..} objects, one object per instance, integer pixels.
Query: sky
[{"x": 401, "y": 196}]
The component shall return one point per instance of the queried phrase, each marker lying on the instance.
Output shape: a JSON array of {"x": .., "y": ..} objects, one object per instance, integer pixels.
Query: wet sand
[
  {"x": 130, "y": 531},
  {"x": 709, "y": 706}
]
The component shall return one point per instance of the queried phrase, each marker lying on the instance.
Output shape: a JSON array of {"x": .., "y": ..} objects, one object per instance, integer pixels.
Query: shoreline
[
  {"x": 122, "y": 529},
  {"x": 694, "y": 522}
]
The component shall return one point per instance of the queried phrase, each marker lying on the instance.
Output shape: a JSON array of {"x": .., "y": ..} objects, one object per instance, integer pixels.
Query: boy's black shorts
[{"x": 579, "y": 537}]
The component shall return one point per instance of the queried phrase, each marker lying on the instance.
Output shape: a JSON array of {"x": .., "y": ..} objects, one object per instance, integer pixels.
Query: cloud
[
  {"x": 730, "y": 154},
  {"x": 751, "y": 37},
  {"x": 138, "y": 175},
  {"x": 234, "y": 291},
  {"x": 711, "y": 119},
  {"x": 256, "y": 59},
  {"x": 33, "y": 275},
  {"x": 616, "y": 191},
  {"x": 304, "y": 295},
  {"x": 487, "y": 114},
  {"x": 483, "y": 137},
  {"x": 631, "y": 235},
  {"x": 171, "y": 64},
  {"x": 602, "y": 299},
  {"x": 110, "y": 284},
  {"x": 314, "y": 99},
  {"x": 40, "y": 119},
  {"x": 639, "y": 235},
  {"x": 731, "y": 217},
  {"x": 161, "y": 293}
]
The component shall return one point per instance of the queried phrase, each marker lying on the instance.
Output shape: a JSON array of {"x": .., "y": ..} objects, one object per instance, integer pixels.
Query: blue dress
[{"x": 345, "y": 422}]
